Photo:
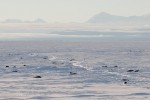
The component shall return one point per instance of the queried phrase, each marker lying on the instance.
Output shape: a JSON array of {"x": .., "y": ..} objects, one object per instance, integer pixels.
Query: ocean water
[{"x": 100, "y": 69}]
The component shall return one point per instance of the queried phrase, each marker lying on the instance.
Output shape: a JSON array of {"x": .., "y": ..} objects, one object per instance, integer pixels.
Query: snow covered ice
[{"x": 53, "y": 62}]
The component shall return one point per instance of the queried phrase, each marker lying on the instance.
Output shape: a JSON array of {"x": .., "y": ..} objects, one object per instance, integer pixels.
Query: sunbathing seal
[
  {"x": 37, "y": 77},
  {"x": 130, "y": 70},
  {"x": 7, "y": 66},
  {"x": 14, "y": 69},
  {"x": 72, "y": 73}
]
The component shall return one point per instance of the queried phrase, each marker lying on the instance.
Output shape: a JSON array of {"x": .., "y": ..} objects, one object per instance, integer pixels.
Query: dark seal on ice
[
  {"x": 104, "y": 66},
  {"x": 45, "y": 58},
  {"x": 130, "y": 70},
  {"x": 72, "y": 59},
  {"x": 72, "y": 73},
  {"x": 37, "y": 77},
  {"x": 7, "y": 66},
  {"x": 14, "y": 69},
  {"x": 136, "y": 71},
  {"x": 125, "y": 82}
]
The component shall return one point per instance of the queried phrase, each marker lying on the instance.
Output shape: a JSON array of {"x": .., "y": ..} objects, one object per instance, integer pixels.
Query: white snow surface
[{"x": 54, "y": 61}]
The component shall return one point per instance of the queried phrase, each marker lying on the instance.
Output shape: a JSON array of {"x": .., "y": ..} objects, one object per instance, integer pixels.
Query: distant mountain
[
  {"x": 106, "y": 17},
  {"x": 39, "y": 21},
  {"x": 20, "y": 21},
  {"x": 12, "y": 21}
]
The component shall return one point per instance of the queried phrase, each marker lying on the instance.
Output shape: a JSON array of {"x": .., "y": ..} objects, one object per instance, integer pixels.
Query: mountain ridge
[
  {"x": 39, "y": 20},
  {"x": 106, "y": 17}
]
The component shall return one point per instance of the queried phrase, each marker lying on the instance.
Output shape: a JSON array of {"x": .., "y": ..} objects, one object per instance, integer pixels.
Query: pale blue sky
[{"x": 69, "y": 10}]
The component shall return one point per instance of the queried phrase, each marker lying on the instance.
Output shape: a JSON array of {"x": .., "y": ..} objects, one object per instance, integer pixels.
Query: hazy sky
[{"x": 69, "y": 10}]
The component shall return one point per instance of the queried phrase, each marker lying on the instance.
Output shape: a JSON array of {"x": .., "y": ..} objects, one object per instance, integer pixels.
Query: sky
[{"x": 65, "y": 11}]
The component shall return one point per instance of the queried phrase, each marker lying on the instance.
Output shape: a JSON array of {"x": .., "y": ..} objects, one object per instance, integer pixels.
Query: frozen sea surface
[{"x": 101, "y": 69}]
